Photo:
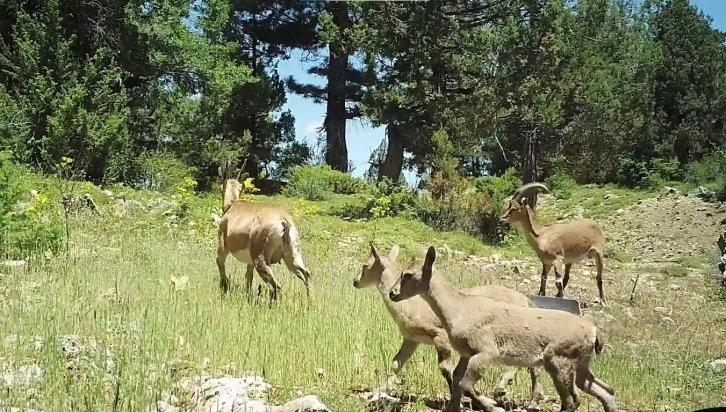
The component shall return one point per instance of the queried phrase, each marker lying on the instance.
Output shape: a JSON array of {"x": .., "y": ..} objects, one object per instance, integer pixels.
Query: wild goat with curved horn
[
  {"x": 560, "y": 244},
  {"x": 257, "y": 234}
]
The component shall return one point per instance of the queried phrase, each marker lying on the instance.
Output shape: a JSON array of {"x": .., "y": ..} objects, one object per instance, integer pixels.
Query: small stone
[
  {"x": 526, "y": 281},
  {"x": 108, "y": 193},
  {"x": 718, "y": 366},
  {"x": 661, "y": 309},
  {"x": 534, "y": 278},
  {"x": 673, "y": 286},
  {"x": 14, "y": 263}
]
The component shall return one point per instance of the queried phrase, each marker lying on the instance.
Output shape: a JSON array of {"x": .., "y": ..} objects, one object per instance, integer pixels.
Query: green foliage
[
  {"x": 163, "y": 172},
  {"x": 30, "y": 227},
  {"x": 317, "y": 182},
  {"x": 499, "y": 185},
  {"x": 387, "y": 200},
  {"x": 561, "y": 184},
  {"x": 710, "y": 172}
]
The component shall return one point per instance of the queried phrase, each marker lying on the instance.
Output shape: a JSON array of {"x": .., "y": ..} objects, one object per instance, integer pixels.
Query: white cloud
[{"x": 312, "y": 127}]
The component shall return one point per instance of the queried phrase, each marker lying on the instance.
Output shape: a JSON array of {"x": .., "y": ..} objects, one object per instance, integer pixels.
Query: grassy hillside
[{"x": 139, "y": 288}]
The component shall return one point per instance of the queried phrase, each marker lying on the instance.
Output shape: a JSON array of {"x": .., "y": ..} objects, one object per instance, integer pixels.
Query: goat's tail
[
  {"x": 598, "y": 342},
  {"x": 286, "y": 233}
]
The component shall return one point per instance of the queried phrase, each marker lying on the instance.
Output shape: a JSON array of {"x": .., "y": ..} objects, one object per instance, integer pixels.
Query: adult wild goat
[
  {"x": 257, "y": 234},
  {"x": 560, "y": 244}
]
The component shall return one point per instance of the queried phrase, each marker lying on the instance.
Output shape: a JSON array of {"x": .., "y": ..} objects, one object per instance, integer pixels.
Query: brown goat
[
  {"x": 418, "y": 323},
  {"x": 560, "y": 244},
  {"x": 259, "y": 235}
]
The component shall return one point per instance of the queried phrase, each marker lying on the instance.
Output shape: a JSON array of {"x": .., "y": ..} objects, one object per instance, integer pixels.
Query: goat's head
[
  {"x": 375, "y": 266},
  {"x": 414, "y": 281},
  {"x": 232, "y": 187},
  {"x": 517, "y": 209}
]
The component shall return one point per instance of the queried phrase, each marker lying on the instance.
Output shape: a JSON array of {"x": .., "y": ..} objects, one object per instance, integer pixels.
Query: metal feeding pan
[{"x": 551, "y": 302}]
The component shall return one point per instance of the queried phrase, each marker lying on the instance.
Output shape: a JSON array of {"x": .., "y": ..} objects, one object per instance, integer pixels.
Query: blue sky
[{"x": 362, "y": 139}]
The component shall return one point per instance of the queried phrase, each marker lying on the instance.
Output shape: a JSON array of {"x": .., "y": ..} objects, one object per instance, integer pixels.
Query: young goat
[
  {"x": 484, "y": 331},
  {"x": 258, "y": 235},
  {"x": 418, "y": 324},
  {"x": 560, "y": 244}
]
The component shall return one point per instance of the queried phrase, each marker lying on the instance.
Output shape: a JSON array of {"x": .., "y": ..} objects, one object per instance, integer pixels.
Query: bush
[
  {"x": 388, "y": 200},
  {"x": 34, "y": 227},
  {"x": 633, "y": 173},
  {"x": 163, "y": 172},
  {"x": 317, "y": 182},
  {"x": 458, "y": 205},
  {"x": 561, "y": 184},
  {"x": 710, "y": 172},
  {"x": 499, "y": 185}
]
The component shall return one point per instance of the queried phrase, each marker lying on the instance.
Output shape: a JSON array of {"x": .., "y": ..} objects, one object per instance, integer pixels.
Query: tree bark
[
  {"x": 393, "y": 163},
  {"x": 336, "y": 153},
  {"x": 529, "y": 162}
]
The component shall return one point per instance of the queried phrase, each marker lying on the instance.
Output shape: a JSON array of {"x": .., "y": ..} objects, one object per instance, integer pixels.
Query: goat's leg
[
  {"x": 537, "y": 395},
  {"x": 249, "y": 275},
  {"x": 562, "y": 375},
  {"x": 566, "y": 278},
  {"x": 559, "y": 271},
  {"x": 295, "y": 264},
  {"x": 408, "y": 347},
  {"x": 501, "y": 389},
  {"x": 459, "y": 372},
  {"x": 443, "y": 352},
  {"x": 587, "y": 382},
  {"x": 599, "y": 265},
  {"x": 223, "y": 279},
  {"x": 266, "y": 274},
  {"x": 543, "y": 279},
  {"x": 477, "y": 365}
]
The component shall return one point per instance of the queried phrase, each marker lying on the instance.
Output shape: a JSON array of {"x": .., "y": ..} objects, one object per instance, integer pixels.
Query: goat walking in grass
[
  {"x": 484, "y": 331},
  {"x": 418, "y": 324},
  {"x": 558, "y": 245},
  {"x": 259, "y": 235}
]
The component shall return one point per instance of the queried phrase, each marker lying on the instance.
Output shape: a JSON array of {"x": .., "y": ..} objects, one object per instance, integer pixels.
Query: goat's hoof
[{"x": 499, "y": 393}]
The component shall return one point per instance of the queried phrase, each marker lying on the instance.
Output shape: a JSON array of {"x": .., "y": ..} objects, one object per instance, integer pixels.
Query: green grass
[{"x": 345, "y": 332}]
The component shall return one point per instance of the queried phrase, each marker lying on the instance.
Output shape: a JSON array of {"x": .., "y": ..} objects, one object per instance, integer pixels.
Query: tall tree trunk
[
  {"x": 529, "y": 162},
  {"x": 393, "y": 163},
  {"x": 336, "y": 153}
]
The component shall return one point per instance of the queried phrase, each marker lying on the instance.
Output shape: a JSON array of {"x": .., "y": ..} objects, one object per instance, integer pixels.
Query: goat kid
[
  {"x": 259, "y": 235},
  {"x": 560, "y": 244},
  {"x": 484, "y": 331},
  {"x": 418, "y": 324}
]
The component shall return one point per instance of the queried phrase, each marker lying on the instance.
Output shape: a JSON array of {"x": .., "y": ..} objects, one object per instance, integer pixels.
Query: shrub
[
  {"x": 387, "y": 200},
  {"x": 633, "y": 173},
  {"x": 710, "y": 172},
  {"x": 317, "y": 182},
  {"x": 163, "y": 172},
  {"x": 561, "y": 184},
  {"x": 499, "y": 185},
  {"x": 34, "y": 227}
]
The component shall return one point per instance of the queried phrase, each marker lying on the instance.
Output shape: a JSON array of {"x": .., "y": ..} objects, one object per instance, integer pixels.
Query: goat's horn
[
  {"x": 244, "y": 164},
  {"x": 527, "y": 189}
]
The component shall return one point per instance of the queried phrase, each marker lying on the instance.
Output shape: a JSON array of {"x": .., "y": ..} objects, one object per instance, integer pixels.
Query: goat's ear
[
  {"x": 393, "y": 254},
  {"x": 428, "y": 265},
  {"x": 374, "y": 252}
]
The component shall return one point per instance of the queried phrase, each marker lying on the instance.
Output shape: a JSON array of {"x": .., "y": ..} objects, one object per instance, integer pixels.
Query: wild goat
[
  {"x": 418, "y": 324},
  {"x": 560, "y": 244},
  {"x": 484, "y": 331},
  {"x": 259, "y": 235}
]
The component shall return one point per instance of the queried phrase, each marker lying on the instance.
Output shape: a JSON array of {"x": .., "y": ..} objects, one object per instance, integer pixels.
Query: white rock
[
  {"x": 718, "y": 365},
  {"x": 25, "y": 375},
  {"x": 108, "y": 193},
  {"x": 14, "y": 263}
]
